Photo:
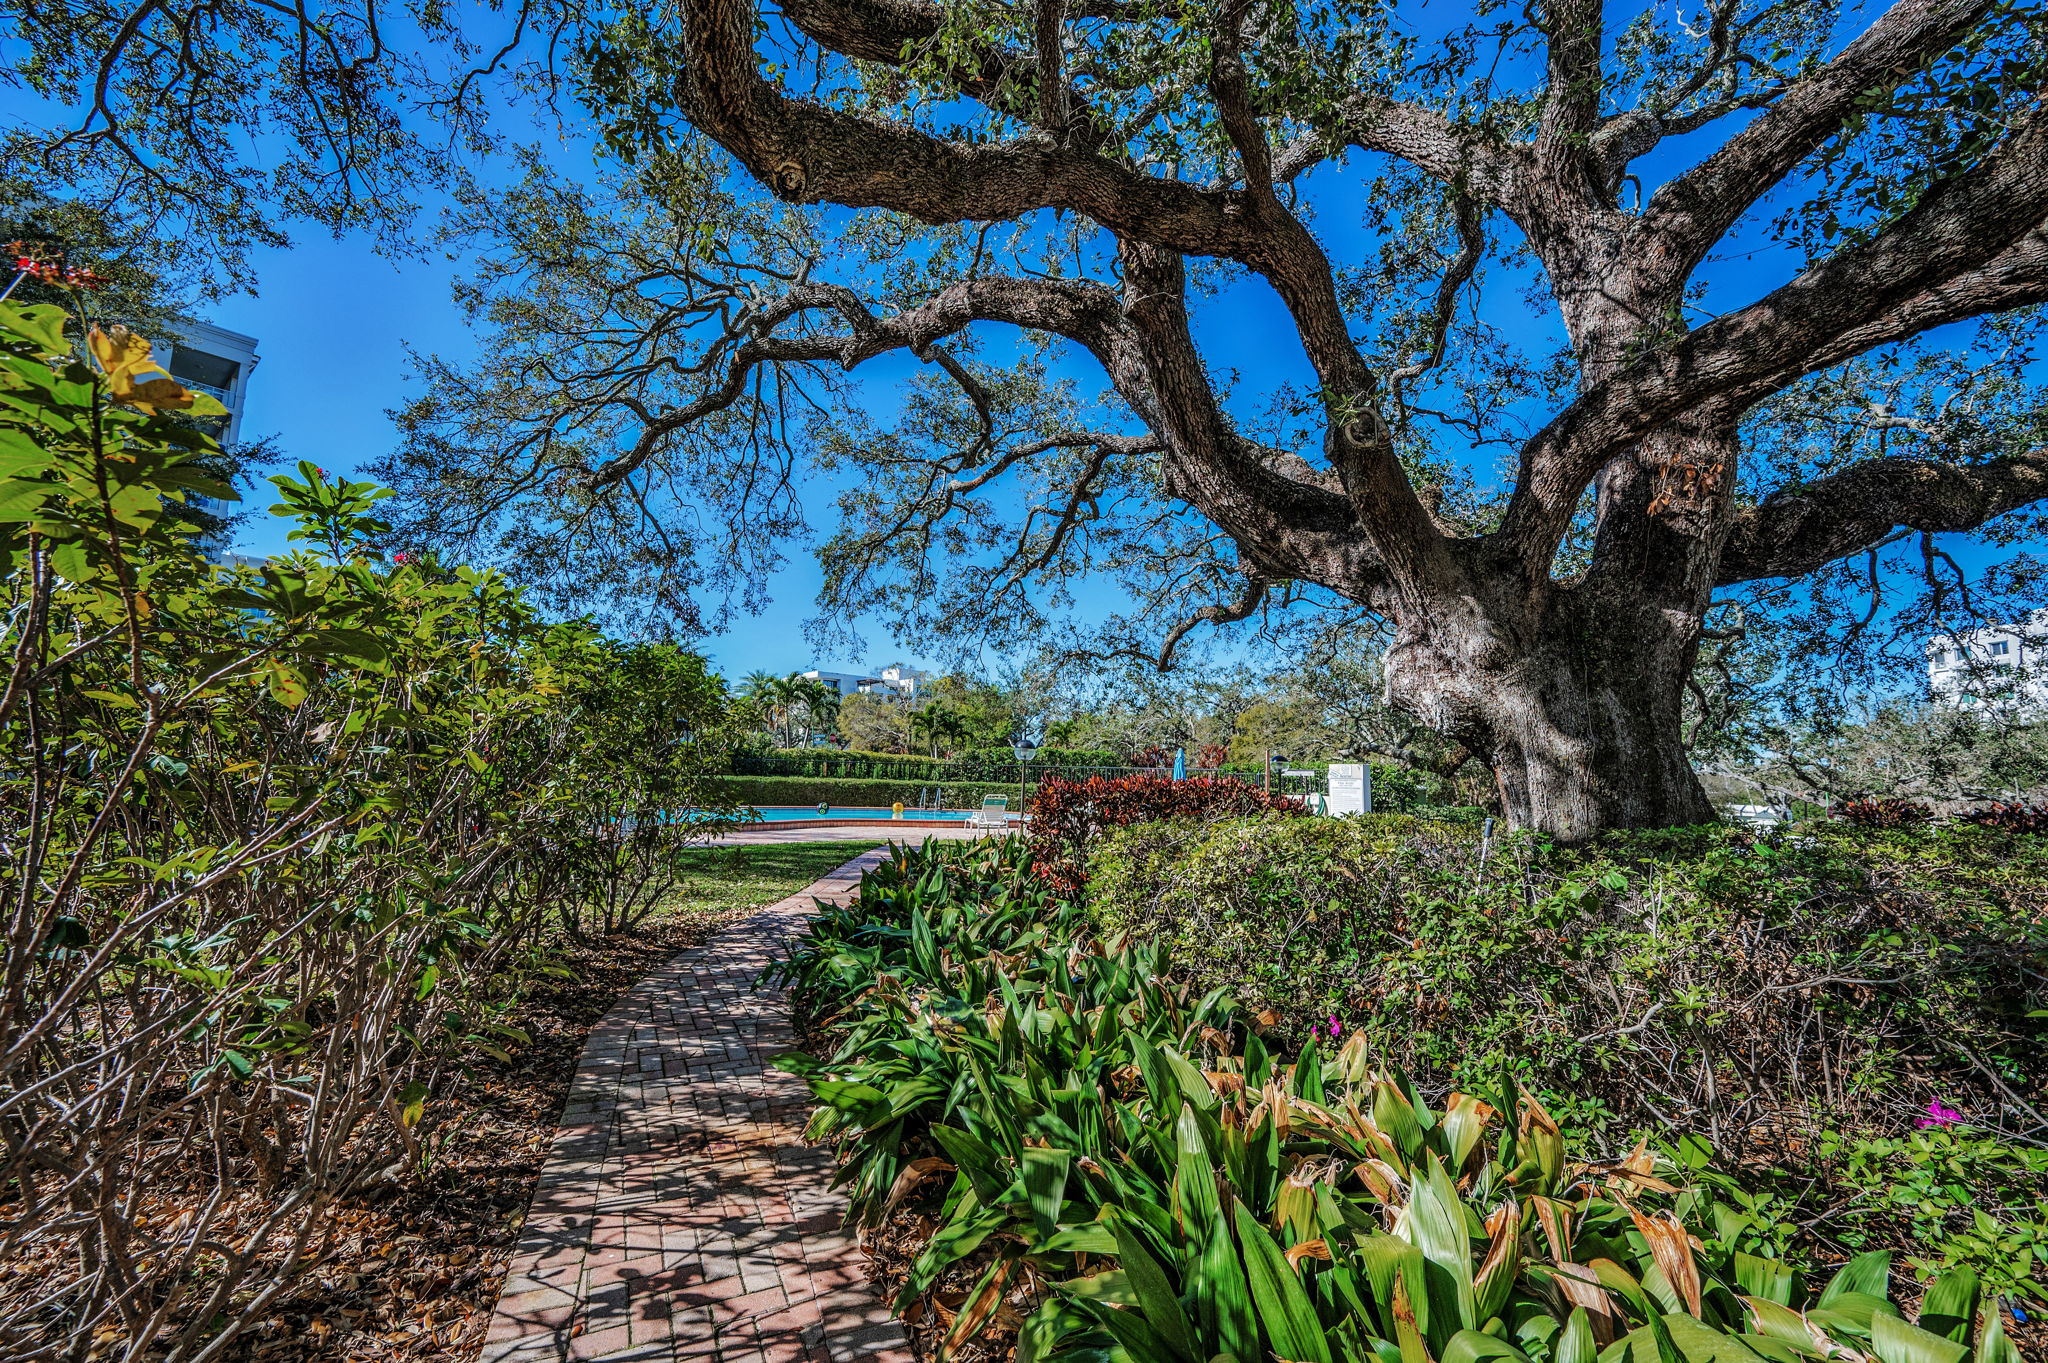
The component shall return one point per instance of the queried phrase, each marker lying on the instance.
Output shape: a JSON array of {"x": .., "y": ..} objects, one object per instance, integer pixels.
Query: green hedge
[
  {"x": 809, "y": 790},
  {"x": 990, "y": 764},
  {"x": 831, "y": 762},
  {"x": 1751, "y": 985}
]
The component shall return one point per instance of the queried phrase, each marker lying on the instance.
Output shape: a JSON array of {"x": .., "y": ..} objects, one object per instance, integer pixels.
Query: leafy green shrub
[
  {"x": 279, "y": 842},
  {"x": 1749, "y": 988},
  {"x": 1947, "y": 1198},
  {"x": 1969, "y": 1198},
  {"x": 1117, "y": 1168}
]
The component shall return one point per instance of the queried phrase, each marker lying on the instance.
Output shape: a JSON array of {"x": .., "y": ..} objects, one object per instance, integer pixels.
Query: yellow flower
[{"x": 132, "y": 375}]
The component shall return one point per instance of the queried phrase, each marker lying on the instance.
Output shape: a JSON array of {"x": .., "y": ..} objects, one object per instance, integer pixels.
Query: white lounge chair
[{"x": 994, "y": 813}]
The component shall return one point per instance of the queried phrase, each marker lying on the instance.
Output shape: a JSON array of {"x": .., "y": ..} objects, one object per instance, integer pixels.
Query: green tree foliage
[
  {"x": 1779, "y": 456},
  {"x": 145, "y": 280},
  {"x": 1951, "y": 756},
  {"x": 872, "y": 723},
  {"x": 1788, "y": 262},
  {"x": 793, "y": 707},
  {"x": 280, "y": 843}
]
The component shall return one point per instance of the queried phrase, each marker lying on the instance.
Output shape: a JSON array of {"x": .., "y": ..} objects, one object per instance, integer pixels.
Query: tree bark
[
  {"x": 1576, "y": 705},
  {"x": 1574, "y": 691}
]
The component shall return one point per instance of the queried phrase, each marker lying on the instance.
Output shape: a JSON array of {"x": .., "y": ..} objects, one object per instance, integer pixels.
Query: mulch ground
[{"x": 417, "y": 1273}]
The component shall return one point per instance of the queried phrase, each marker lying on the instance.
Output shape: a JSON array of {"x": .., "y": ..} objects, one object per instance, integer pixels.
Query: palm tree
[
  {"x": 936, "y": 722},
  {"x": 924, "y": 724},
  {"x": 819, "y": 702},
  {"x": 784, "y": 694},
  {"x": 759, "y": 687}
]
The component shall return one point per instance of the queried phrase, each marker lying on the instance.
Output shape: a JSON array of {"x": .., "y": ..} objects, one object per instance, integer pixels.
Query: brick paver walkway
[{"x": 680, "y": 1217}]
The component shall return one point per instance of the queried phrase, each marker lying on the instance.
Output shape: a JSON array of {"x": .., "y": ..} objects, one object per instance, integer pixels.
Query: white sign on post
[{"x": 1350, "y": 788}]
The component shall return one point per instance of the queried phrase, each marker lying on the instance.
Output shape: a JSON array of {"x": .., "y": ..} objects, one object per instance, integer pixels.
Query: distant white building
[
  {"x": 892, "y": 683},
  {"x": 1997, "y": 665},
  {"x": 215, "y": 361}
]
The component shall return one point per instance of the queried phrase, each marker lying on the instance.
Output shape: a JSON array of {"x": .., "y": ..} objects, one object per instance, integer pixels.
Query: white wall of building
[
  {"x": 892, "y": 683},
  {"x": 213, "y": 360},
  {"x": 1998, "y": 665}
]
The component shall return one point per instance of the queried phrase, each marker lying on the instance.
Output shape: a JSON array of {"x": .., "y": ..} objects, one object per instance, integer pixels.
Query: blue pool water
[{"x": 785, "y": 813}]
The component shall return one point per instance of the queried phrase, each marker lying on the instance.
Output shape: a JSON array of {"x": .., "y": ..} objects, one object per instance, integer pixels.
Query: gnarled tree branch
[
  {"x": 1692, "y": 212},
  {"x": 1795, "y": 531}
]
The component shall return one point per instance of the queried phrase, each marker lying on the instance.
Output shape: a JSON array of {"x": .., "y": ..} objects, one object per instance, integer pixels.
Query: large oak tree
[
  {"x": 1097, "y": 174},
  {"x": 1553, "y": 630}
]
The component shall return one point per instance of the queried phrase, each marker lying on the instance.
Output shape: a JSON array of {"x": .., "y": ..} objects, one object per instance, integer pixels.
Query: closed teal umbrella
[{"x": 1180, "y": 764}]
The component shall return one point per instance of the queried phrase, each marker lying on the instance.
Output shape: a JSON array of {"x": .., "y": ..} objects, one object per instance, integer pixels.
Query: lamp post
[
  {"x": 1024, "y": 749},
  {"x": 1275, "y": 761}
]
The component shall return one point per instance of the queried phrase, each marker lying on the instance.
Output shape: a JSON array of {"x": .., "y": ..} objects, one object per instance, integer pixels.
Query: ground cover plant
[
  {"x": 278, "y": 849},
  {"x": 1795, "y": 1003},
  {"x": 1100, "y": 1162}
]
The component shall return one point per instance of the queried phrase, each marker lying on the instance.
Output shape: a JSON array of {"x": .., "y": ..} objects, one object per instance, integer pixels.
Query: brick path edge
[{"x": 680, "y": 1218}]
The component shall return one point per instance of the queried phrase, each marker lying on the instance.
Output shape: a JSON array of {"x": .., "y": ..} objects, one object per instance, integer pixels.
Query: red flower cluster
[
  {"x": 1067, "y": 815},
  {"x": 405, "y": 556},
  {"x": 2011, "y": 818},
  {"x": 1865, "y": 811},
  {"x": 54, "y": 272}
]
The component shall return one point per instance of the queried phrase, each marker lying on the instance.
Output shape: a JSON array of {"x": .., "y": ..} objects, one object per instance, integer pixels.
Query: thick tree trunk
[{"x": 1577, "y": 706}]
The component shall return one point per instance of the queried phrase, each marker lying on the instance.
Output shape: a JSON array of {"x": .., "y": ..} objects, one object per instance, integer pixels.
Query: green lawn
[{"x": 723, "y": 880}]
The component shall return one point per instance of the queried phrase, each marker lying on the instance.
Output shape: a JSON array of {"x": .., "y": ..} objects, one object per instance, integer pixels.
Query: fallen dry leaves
[{"x": 415, "y": 1273}]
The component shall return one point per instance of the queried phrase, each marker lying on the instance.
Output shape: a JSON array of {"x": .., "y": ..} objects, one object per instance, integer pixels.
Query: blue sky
[{"x": 333, "y": 320}]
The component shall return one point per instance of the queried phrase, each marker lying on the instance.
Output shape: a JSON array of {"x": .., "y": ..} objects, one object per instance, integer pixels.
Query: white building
[
  {"x": 892, "y": 683},
  {"x": 1997, "y": 665},
  {"x": 215, "y": 361}
]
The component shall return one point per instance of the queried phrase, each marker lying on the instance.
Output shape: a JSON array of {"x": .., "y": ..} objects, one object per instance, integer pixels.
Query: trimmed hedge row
[
  {"x": 986, "y": 764},
  {"x": 809, "y": 790}
]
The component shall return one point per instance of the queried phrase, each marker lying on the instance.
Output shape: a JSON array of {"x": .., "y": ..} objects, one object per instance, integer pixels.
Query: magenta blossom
[
  {"x": 1336, "y": 1027},
  {"x": 1937, "y": 1115}
]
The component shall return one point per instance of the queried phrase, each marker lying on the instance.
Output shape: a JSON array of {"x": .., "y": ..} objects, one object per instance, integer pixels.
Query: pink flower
[
  {"x": 1335, "y": 1027},
  {"x": 1937, "y": 1115}
]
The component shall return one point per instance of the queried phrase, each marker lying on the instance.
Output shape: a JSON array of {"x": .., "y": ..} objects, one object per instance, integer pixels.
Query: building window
[{"x": 2001, "y": 648}]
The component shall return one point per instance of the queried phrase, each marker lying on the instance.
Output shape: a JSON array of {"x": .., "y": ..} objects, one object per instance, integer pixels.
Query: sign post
[{"x": 1350, "y": 788}]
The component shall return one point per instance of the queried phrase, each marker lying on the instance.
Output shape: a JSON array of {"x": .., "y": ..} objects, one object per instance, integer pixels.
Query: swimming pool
[{"x": 789, "y": 813}]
